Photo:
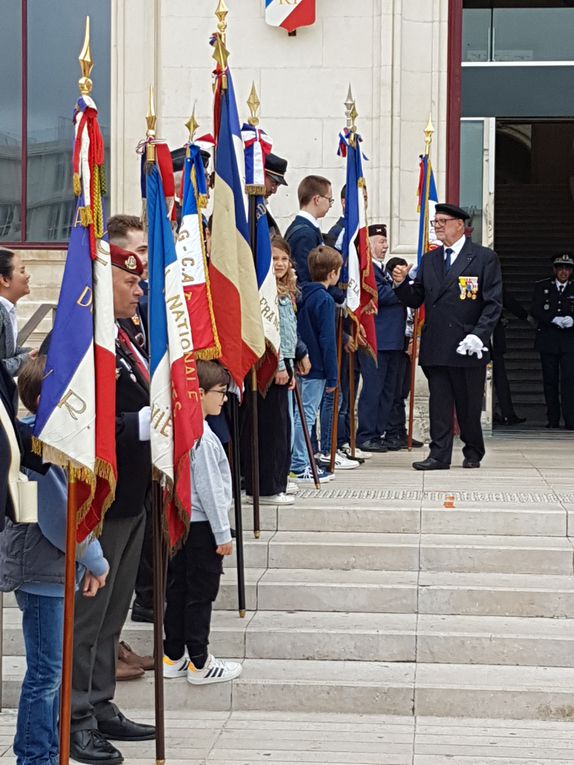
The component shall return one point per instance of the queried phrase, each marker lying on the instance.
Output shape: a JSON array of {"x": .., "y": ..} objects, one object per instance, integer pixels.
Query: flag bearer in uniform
[{"x": 460, "y": 284}]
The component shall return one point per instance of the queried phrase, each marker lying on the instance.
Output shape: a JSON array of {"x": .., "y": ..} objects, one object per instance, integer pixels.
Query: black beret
[
  {"x": 452, "y": 210},
  {"x": 563, "y": 260},
  {"x": 377, "y": 228},
  {"x": 178, "y": 158},
  {"x": 276, "y": 167}
]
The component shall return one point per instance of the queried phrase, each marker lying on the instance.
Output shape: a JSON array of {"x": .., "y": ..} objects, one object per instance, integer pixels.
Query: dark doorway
[{"x": 534, "y": 220}]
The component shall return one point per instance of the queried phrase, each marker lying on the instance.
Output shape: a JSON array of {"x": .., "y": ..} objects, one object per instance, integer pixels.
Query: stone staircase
[{"x": 395, "y": 605}]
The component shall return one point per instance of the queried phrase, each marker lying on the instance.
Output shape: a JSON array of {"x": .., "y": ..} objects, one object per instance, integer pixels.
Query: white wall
[{"x": 393, "y": 52}]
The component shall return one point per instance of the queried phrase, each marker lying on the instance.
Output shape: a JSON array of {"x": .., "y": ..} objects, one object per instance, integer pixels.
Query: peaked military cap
[
  {"x": 452, "y": 210},
  {"x": 563, "y": 260},
  {"x": 276, "y": 167}
]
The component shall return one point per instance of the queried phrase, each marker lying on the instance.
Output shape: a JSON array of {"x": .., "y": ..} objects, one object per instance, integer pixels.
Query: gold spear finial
[
  {"x": 429, "y": 130},
  {"x": 192, "y": 125},
  {"x": 349, "y": 106},
  {"x": 253, "y": 103},
  {"x": 86, "y": 63},
  {"x": 151, "y": 121},
  {"x": 221, "y": 13},
  {"x": 220, "y": 52}
]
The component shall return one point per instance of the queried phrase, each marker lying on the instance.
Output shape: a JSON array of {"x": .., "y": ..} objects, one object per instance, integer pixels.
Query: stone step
[
  {"x": 396, "y": 592},
  {"x": 368, "y": 637},
  {"x": 454, "y": 690},
  {"x": 306, "y": 515},
  {"x": 409, "y": 552}
]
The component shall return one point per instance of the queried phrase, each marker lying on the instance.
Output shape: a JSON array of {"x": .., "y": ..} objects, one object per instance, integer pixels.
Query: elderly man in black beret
[{"x": 460, "y": 284}]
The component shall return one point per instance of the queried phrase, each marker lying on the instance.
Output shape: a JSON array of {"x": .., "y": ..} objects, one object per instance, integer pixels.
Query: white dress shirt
[{"x": 311, "y": 218}]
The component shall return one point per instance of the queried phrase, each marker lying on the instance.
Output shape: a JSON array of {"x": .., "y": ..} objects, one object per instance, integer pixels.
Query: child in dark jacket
[{"x": 316, "y": 324}]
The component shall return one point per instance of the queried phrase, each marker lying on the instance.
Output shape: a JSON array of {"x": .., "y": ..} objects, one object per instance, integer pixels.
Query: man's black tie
[{"x": 447, "y": 262}]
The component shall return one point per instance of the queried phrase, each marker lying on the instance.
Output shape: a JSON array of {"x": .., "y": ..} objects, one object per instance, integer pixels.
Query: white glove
[
  {"x": 567, "y": 322},
  {"x": 557, "y": 320},
  {"x": 144, "y": 417},
  {"x": 472, "y": 345}
]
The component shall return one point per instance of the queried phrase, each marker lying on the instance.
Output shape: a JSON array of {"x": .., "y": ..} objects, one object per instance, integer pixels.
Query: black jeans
[{"x": 192, "y": 586}]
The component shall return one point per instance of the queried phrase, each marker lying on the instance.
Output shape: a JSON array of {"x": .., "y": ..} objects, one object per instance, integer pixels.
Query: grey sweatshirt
[{"x": 211, "y": 485}]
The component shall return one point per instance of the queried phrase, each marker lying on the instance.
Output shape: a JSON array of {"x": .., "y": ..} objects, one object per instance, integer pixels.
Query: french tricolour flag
[
  {"x": 290, "y": 16},
  {"x": 176, "y": 417}
]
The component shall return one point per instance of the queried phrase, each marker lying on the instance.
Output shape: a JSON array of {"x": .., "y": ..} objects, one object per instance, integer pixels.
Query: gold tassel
[{"x": 76, "y": 184}]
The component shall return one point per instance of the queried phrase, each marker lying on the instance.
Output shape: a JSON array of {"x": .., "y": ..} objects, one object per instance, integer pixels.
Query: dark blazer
[
  {"x": 334, "y": 232},
  {"x": 509, "y": 305},
  {"x": 303, "y": 237},
  {"x": 133, "y": 456},
  {"x": 547, "y": 304},
  {"x": 272, "y": 223},
  {"x": 391, "y": 318},
  {"x": 12, "y": 356},
  {"x": 448, "y": 317}
]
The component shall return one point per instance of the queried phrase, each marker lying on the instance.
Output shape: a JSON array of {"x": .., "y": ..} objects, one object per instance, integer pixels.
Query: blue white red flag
[
  {"x": 290, "y": 14},
  {"x": 357, "y": 272},
  {"x": 190, "y": 248},
  {"x": 231, "y": 268},
  {"x": 257, "y": 146},
  {"x": 176, "y": 416},
  {"x": 428, "y": 200},
  {"x": 75, "y": 423}
]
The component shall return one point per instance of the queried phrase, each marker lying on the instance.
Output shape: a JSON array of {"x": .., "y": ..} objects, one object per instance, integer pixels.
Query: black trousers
[
  {"x": 98, "y": 623},
  {"x": 460, "y": 389},
  {"x": 501, "y": 384},
  {"x": 274, "y": 440},
  {"x": 378, "y": 394},
  {"x": 397, "y": 423},
  {"x": 192, "y": 585},
  {"x": 558, "y": 378},
  {"x": 144, "y": 580}
]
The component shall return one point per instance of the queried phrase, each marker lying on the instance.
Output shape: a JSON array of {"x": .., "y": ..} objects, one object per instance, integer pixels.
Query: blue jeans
[
  {"x": 36, "y": 740},
  {"x": 311, "y": 395}
]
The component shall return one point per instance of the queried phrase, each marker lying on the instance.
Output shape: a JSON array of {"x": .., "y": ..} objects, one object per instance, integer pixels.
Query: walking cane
[{"x": 306, "y": 434}]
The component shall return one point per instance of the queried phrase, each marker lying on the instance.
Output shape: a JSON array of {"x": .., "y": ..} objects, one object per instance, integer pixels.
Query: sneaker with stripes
[
  {"x": 213, "y": 671},
  {"x": 172, "y": 669}
]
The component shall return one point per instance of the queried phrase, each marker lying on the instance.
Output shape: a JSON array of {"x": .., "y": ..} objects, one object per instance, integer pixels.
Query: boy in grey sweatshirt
[{"x": 195, "y": 571}]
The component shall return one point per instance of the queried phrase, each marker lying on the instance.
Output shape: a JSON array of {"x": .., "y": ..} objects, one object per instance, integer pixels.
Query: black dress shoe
[
  {"x": 514, "y": 420},
  {"x": 119, "y": 728},
  {"x": 431, "y": 464},
  {"x": 142, "y": 613},
  {"x": 91, "y": 747},
  {"x": 466, "y": 463},
  {"x": 373, "y": 445}
]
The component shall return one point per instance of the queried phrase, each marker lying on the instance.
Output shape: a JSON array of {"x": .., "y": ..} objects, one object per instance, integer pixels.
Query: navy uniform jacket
[
  {"x": 468, "y": 300},
  {"x": 303, "y": 237},
  {"x": 133, "y": 456},
  {"x": 547, "y": 304},
  {"x": 391, "y": 318}
]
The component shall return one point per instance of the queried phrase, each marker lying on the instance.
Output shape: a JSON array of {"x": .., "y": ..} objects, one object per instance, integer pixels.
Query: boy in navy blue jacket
[
  {"x": 316, "y": 325},
  {"x": 315, "y": 196}
]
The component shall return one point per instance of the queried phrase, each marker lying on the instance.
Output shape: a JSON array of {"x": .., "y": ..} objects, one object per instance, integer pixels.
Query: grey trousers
[{"x": 98, "y": 623}]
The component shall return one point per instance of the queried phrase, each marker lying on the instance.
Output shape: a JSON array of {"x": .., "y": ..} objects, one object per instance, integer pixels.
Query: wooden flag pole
[
  {"x": 306, "y": 435},
  {"x": 429, "y": 130},
  {"x": 68, "y": 635},
  {"x": 335, "y": 419},
  {"x": 352, "y": 396},
  {"x": 252, "y": 191},
  {"x": 236, "y": 479},
  {"x": 159, "y": 555},
  {"x": 159, "y": 571}
]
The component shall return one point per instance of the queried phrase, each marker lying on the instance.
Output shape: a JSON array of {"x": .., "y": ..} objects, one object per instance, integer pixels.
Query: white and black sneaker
[
  {"x": 173, "y": 669},
  {"x": 342, "y": 462},
  {"x": 213, "y": 671}
]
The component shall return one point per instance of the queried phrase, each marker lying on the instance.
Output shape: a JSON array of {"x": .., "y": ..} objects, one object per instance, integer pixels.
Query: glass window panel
[
  {"x": 476, "y": 34},
  {"x": 533, "y": 34},
  {"x": 55, "y": 36},
  {"x": 10, "y": 120},
  {"x": 471, "y": 173}
]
